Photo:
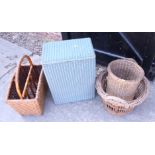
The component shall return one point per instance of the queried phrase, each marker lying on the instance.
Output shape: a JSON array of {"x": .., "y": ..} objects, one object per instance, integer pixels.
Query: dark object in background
[{"x": 112, "y": 45}]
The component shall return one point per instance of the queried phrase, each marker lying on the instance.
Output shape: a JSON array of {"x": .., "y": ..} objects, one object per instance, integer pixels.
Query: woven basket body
[
  {"x": 70, "y": 70},
  {"x": 116, "y": 105},
  {"x": 123, "y": 78},
  {"x": 32, "y": 102}
]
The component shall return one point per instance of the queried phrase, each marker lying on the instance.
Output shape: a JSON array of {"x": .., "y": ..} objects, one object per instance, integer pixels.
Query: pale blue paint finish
[
  {"x": 75, "y": 49},
  {"x": 70, "y": 72}
]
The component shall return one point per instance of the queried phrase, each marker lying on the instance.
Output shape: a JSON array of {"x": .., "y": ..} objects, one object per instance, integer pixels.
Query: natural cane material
[
  {"x": 116, "y": 105},
  {"x": 124, "y": 76},
  {"x": 27, "y": 89}
]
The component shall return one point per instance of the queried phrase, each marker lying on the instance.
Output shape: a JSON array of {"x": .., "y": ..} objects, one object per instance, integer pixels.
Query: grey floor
[{"x": 92, "y": 110}]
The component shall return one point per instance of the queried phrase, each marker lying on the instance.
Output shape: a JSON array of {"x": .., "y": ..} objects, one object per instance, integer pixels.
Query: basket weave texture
[
  {"x": 27, "y": 89},
  {"x": 116, "y": 105},
  {"x": 124, "y": 76}
]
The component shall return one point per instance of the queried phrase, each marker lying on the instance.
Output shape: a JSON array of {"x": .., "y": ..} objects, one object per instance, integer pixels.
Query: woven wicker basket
[
  {"x": 124, "y": 76},
  {"x": 27, "y": 89},
  {"x": 116, "y": 105}
]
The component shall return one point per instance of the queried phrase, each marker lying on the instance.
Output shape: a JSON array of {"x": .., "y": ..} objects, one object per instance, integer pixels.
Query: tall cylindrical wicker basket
[{"x": 124, "y": 76}]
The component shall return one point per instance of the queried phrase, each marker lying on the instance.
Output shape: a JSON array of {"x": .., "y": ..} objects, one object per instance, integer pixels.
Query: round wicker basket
[
  {"x": 124, "y": 76},
  {"x": 116, "y": 105}
]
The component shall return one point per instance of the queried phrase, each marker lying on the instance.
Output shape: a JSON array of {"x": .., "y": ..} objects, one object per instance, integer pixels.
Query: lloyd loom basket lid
[{"x": 68, "y": 50}]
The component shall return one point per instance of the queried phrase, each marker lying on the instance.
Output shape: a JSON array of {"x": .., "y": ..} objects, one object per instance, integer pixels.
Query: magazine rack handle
[{"x": 22, "y": 94}]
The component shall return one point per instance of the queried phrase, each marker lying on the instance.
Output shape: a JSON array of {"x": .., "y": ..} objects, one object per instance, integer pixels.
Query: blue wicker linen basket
[{"x": 69, "y": 67}]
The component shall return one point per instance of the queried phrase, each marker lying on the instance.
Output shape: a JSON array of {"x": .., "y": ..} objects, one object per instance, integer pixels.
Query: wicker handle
[
  {"x": 117, "y": 101},
  {"x": 22, "y": 94}
]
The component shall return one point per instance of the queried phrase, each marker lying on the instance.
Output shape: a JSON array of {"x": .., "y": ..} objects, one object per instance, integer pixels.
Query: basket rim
[
  {"x": 123, "y": 80},
  {"x": 121, "y": 102}
]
